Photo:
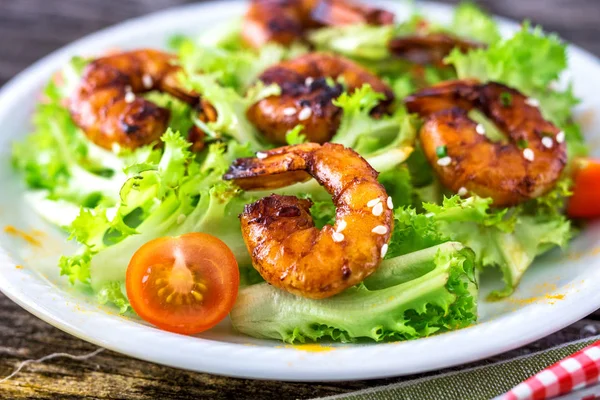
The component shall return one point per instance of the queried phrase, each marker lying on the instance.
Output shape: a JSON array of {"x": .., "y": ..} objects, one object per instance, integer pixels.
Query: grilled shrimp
[
  {"x": 345, "y": 12},
  {"x": 285, "y": 21},
  {"x": 106, "y": 107},
  {"x": 430, "y": 49},
  {"x": 286, "y": 247},
  {"x": 306, "y": 98},
  {"x": 466, "y": 160}
]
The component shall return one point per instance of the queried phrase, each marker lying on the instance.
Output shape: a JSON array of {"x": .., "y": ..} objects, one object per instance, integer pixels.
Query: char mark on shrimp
[
  {"x": 308, "y": 87},
  {"x": 510, "y": 173}
]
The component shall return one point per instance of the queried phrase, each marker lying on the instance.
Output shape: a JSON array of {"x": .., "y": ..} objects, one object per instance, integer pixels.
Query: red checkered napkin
[{"x": 573, "y": 373}]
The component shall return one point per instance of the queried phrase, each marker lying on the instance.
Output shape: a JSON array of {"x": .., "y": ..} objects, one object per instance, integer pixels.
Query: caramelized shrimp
[
  {"x": 430, "y": 49},
  {"x": 286, "y": 21},
  {"x": 466, "y": 160},
  {"x": 286, "y": 247},
  {"x": 106, "y": 105},
  {"x": 344, "y": 12},
  {"x": 306, "y": 97}
]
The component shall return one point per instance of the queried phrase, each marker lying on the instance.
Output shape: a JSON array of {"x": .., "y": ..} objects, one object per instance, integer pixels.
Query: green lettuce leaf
[
  {"x": 368, "y": 135},
  {"x": 528, "y": 61},
  {"x": 169, "y": 198},
  {"x": 114, "y": 293},
  {"x": 509, "y": 239},
  {"x": 231, "y": 108},
  {"x": 408, "y": 297},
  {"x": 57, "y": 157},
  {"x": 362, "y": 42},
  {"x": 472, "y": 23},
  {"x": 295, "y": 136},
  {"x": 232, "y": 65},
  {"x": 181, "y": 112}
]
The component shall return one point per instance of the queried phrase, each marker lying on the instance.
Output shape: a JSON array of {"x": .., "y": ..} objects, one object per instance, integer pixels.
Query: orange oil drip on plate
[
  {"x": 11, "y": 230},
  {"x": 311, "y": 347}
]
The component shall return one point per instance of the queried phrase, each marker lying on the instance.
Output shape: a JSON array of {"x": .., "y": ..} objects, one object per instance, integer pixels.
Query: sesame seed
[
  {"x": 116, "y": 148},
  {"x": 308, "y": 81},
  {"x": 289, "y": 111},
  {"x": 377, "y": 210},
  {"x": 480, "y": 129},
  {"x": 390, "y": 203},
  {"x": 181, "y": 218},
  {"x": 129, "y": 97},
  {"x": 528, "y": 154},
  {"x": 305, "y": 114},
  {"x": 260, "y": 155},
  {"x": 147, "y": 81},
  {"x": 337, "y": 237},
  {"x": 462, "y": 191},
  {"x": 547, "y": 142},
  {"x": 341, "y": 226},
  {"x": 560, "y": 137},
  {"x": 384, "y": 250},
  {"x": 373, "y": 203},
  {"x": 444, "y": 161},
  {"x": 380, "y": 229},
  {"x": 532, "y": 102}
]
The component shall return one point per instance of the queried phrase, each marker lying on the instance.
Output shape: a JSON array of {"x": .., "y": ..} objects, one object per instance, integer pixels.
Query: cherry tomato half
[
  {"x": 585, "y": 202},
  {"x": 184, "y": 284}
]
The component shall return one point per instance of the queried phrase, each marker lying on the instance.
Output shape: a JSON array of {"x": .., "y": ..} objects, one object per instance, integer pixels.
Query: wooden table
[{"x": 30, "y": 29}]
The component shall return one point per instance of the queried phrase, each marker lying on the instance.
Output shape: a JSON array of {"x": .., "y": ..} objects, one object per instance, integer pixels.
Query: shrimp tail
[
  {"x": 271, "y": 169},
  {"x": 279, "y": 214}
]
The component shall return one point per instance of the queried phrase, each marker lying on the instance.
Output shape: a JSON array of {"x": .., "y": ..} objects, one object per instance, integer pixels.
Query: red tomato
[
  {"x": 585, "y": 202},
  {"x": 184, "y": 284}
]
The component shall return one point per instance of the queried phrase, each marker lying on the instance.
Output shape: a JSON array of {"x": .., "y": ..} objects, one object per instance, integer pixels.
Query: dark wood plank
[{"x": 30, "y": 29}]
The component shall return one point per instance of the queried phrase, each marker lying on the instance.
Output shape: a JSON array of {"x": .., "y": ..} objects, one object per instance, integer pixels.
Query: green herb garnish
[
  {"x": 441, "y": 151},
  {"x": 506, "y": 99}
]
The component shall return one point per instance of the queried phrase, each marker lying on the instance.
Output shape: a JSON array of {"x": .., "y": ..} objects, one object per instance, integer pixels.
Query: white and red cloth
[{"x": 576, "y": 372}]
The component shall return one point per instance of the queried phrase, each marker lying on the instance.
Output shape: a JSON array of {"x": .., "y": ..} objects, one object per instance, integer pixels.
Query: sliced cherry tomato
[
  {"x": 184, "y": 284},
  {"x": 585, "y": 202}
]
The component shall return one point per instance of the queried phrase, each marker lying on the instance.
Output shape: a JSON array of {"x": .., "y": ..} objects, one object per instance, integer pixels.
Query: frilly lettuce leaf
[
  {"x": 169, "y": 198},
  {"x": 231, "y": 108},
  {"x": 181, "y": 119},
  {"x": 366, "y": 134},
  {"x": 363, "y": 42},
  {"x": 509, "y": 238},
  {"x": 114, "y": 293},
  {"x": 408, "y": 297},
  {"x": 471, "y": 22},
  {"x": 56, "y": 157},
  {"x": 527, "y": 61},
  {"x": 228, "y": 61},
  {"x": 295, "y": 135}
]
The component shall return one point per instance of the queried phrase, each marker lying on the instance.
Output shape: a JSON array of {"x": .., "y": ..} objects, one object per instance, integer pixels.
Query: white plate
[{"x": 529, "y": 315}]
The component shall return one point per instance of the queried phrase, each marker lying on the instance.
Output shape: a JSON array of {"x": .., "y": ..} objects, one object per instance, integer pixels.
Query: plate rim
[{"x": 305, "y": 366}]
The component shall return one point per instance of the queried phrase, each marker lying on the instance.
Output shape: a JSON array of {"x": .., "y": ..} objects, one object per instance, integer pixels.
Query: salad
[{"x": 316, "y": 170}]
